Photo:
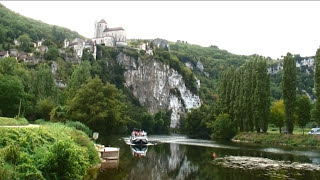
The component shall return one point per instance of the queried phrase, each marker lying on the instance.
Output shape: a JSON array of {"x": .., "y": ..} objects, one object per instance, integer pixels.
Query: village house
[{"x": 4, "y": 54}]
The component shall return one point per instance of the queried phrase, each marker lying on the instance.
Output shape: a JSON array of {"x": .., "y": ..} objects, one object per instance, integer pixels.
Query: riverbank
[
  {"x": 278, "y": 139},
  {"x": 51, "y": 151}
]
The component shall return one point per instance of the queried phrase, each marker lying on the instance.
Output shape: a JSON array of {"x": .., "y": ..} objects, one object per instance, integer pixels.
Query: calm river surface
[{"x": 178, "y": 157}]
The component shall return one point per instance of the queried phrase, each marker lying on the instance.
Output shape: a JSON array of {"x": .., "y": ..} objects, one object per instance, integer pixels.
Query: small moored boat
[{"x": 138, "y": 137}]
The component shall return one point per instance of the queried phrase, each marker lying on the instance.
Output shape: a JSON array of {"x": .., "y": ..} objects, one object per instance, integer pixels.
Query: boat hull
[{"x": 139, "y": 141}]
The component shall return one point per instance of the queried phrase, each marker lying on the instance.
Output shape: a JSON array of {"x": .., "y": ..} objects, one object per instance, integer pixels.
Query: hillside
[
  {"x": 207, "y": 63},
  {"x": 13, "y": 25}
]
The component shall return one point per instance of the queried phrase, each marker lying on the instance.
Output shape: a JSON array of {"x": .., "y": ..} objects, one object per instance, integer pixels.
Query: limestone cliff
[{"x": 157, "y": 86}]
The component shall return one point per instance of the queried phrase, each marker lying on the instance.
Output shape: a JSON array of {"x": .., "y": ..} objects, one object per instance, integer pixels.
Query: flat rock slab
[{"x": 263, "y": 163}]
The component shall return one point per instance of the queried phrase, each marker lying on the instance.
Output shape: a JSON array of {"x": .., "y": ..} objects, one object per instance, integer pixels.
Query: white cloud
[{"x": 265, "y": 28}]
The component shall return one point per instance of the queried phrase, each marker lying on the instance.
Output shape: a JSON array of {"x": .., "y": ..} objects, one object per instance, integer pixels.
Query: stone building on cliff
[{"x": 107, "y": 36}]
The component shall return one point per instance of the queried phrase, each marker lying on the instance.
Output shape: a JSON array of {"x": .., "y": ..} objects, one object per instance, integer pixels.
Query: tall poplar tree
[
  {"x": 289, "y": 90},
  {"x": 316, "y": 110}
]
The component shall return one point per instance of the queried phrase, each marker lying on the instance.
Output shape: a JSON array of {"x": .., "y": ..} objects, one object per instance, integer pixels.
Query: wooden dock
[{"x": 109, "y": 157}]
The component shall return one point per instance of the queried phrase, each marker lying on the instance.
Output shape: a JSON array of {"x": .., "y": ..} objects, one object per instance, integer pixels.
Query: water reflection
[
  {"x": 180, "y": 158},
  {"x": 139, "y": 150}
]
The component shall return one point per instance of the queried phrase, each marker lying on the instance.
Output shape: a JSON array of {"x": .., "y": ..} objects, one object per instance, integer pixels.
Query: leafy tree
[
  {"x": 289, "y": 90},
  {"x": 99, "y": 107},
  {"x": 196, "y": 122},
  {"x": 44, "y": 107},
  {"x": 162, "y": 122},
  {"x": 223, "y": 127},
  {"x": 59, "y": 113},
  {"x": 303, "y": 111},
  {"x": 11, "y": 92},
  {"x": 8, "y": 66},
  {"x": 80, "y": 76},
  {"x": 52, "y": 53},
  {"x": 316, "y": 109},
  {"x": 277, "y": 114},
  {"x": 261, "y": 96},
  {"x": 25, "y": 42},
  {"x": 44, "y": 85},
  {"x": 147, "y": 122}
]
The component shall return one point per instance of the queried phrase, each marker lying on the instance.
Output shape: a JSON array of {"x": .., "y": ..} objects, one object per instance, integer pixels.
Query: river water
[{"x": 178, "y": 157}]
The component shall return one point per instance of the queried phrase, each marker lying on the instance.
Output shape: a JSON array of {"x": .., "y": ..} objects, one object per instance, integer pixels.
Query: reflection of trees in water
[{"x": 159, "y": 164}]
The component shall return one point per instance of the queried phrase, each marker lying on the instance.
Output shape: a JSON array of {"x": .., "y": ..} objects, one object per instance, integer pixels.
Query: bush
[
  {"x": 40, "y": 121},
  {"x": 12, "y": 154},
  {"x": 80, "y": 126},
  {"x": 65, "y": 161},
  {"x": 223, "y": 128},
  {"x": 29, "y": 172}
]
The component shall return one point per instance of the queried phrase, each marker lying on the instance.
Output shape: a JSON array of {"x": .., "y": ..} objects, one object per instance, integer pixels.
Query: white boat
[{"x": 138, "y": 137}]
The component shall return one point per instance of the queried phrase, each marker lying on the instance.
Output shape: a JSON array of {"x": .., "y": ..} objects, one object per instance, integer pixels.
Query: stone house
[{"x": 4, "y": 54}]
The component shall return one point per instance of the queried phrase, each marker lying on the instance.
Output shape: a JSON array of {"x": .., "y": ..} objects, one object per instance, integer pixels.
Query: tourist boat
[{"x": 138, "y": 137}]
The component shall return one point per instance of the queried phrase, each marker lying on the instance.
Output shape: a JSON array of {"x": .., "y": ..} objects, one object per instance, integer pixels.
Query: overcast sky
[{"x": 267, "y": 28}]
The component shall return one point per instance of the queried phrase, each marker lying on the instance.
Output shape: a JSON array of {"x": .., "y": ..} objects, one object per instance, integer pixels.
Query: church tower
[{"x": 99, "y": 27}]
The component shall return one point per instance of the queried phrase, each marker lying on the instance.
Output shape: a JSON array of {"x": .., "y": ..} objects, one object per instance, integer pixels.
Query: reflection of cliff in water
[{"x": 168, "y": 166}]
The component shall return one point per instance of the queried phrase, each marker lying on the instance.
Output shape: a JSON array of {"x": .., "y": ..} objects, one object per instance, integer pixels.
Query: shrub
[
  {"x": 12, "y": 154},
  {"x": 223, "y": 128},
  {"x": 65, "y": 161},
  {"x": 80, "y": 126},
  {"x": 29, "y": 172},
  {"x": 40, "y": 121}
]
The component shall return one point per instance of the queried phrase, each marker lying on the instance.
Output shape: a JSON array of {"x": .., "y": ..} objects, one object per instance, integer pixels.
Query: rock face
[{"x": 153, "y": 83}]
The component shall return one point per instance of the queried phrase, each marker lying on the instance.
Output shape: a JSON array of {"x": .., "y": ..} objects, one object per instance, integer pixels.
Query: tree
[
  {"x": 79, "y": 77},
  {"x": 303, "y": 111},
  {"x": 44, "y": 85},
  {"x": 44, "y": 107},
  {"x": 99, "y": 107},
  {"x": 223, "y": 128},
  {"x": 11, "y": 92},
  {"x": 289, "y": 90},
  {"x": 8, "y": 66},
  {"x": 261, "y": 95},
  {"x": 59, "y": 113},
  {"x": 316, "y": 109},
  {"x": 52, "y": 54},
  {"x": 25, "y": 42},
  {"x": 277, "y": 114},
  {"x": 196, "y": 122}
]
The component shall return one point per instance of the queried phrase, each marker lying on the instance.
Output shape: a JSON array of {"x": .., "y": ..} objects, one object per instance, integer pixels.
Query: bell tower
[{"x": 99, "y": 27}]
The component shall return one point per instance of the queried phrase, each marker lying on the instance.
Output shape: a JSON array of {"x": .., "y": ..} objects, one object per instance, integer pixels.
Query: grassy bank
[
  {"x": 52, "y": 151},
  {"x": 279, "y": 139},
  {"x": 4, "y": 121}
]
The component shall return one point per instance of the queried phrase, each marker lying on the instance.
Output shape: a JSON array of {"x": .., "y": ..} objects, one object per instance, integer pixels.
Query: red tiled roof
[
  {"x": 113, "y": 29},
  {"x": 102, "y": 21}
]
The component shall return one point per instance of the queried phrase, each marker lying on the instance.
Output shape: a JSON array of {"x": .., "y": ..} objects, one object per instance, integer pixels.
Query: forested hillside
[
  {"x": 13, "y": 25},
  {"x": 207, "y": 63}
]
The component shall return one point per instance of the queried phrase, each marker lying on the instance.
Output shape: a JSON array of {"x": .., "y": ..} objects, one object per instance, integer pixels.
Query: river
[{"x": 178, "y": 157}]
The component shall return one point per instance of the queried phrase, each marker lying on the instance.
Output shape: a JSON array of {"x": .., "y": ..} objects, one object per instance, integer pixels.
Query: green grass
[
  {"x": 279, "y": 139},
  {"x": 5, "y": 121},
  {"x": 39, "y": 153},
  {"x": 297, "y": 130}
]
